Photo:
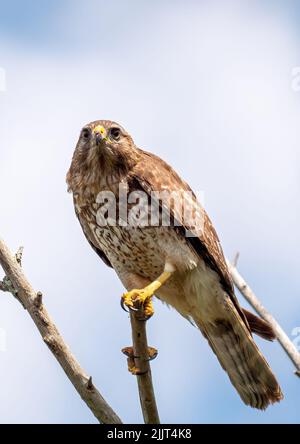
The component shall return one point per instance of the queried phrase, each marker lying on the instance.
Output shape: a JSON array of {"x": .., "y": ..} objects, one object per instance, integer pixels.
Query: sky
[{"x": 209, "y": 87}]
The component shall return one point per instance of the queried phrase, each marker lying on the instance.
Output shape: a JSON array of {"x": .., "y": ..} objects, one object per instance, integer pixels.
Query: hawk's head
[
  {"x": 103, "y": 148},
  {"x": 104, "y": 139}
]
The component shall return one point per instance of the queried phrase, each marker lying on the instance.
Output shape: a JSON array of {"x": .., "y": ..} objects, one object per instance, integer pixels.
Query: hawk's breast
[
  {"x": 143, "y": 250},
  {"x": 139, "y": 248}
]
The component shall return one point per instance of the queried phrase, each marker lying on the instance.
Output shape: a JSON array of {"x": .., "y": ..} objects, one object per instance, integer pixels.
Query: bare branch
[
  {"x": 32, "y": 301},
  {"x": 142, "y": 357},
  {"x": 282, "y": 337}
]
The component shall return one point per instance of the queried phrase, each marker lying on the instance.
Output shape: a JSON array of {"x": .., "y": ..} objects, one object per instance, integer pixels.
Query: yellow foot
[
  {"x": 142, "y": 299},
  {"x": 128, "y": 351},
  {"x": 139, "y": 299}
]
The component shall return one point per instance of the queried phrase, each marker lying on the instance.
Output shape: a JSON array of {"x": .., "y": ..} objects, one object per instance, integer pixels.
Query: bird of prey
[{"x": 182, "y": 264}]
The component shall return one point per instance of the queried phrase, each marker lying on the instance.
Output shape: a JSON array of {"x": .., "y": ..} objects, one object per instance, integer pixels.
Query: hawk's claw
[
  {"x": 124, "y": 305},
  {"x": 128, "y": 351},
  {"x": 138, "y": 300},
  {"x": 144, "y": 318},
  {"x": 153, "y": 352}
]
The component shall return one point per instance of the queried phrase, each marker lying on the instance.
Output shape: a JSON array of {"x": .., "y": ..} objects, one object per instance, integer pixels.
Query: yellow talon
[
  {"x": 148, "y": 308},
  {"x": 128, "y": 351},
  {"x": 126, "y": 300},
  {"x": 136, "y": 299},
  {"x": 142, "y": 298}
]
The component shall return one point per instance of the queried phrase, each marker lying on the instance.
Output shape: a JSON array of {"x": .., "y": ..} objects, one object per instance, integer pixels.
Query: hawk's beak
[
  {"x": 98, "y": 138},
  {"x": 99, "y": 134}
]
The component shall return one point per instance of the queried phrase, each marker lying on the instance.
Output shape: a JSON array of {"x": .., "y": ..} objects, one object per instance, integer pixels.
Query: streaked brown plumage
[{"x": 200, "y": 287}]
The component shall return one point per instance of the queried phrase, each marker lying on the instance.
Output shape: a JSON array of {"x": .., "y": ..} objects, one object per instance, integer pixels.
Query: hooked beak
[
  {"x": 99, "y": 134},
  {"x": 98, "y": 138}
]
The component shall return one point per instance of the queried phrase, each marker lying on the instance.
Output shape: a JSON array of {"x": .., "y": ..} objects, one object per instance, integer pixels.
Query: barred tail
[{"x": 241, "y": 359}]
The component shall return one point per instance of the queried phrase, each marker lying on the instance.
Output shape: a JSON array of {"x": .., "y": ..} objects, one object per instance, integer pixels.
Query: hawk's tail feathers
[
  {"x": 245, "y": 365},
  {"x": 259, "y": 326}
]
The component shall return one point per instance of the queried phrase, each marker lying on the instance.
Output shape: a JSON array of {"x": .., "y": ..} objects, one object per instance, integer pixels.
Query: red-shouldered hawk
[{"x": 181, "y": 262}]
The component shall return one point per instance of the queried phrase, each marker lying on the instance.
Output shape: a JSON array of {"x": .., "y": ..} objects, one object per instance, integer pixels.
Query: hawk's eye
[
  {"x": 115, "y": 133},
  {"x": 86, "y": 134}
]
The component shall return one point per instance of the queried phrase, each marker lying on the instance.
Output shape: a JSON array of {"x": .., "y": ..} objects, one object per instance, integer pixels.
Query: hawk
[{"x": 180, "y": 262}]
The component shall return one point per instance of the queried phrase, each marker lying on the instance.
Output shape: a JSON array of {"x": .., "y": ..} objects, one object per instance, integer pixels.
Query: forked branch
[{"x": 17, "y": 283}]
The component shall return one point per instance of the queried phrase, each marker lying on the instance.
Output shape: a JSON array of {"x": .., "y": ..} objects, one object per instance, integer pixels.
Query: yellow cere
[{"x": 100, "y": 129}]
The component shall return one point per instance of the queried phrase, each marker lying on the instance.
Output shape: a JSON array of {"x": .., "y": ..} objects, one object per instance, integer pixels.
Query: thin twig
[
  {"x": 282, "y": 337},
  {"x": 32, "y": 301},
  {"x": 142, "y": 363}
]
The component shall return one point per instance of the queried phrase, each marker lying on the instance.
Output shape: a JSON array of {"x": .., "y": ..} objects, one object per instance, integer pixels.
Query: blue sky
[{"x": 205, "y": 85}]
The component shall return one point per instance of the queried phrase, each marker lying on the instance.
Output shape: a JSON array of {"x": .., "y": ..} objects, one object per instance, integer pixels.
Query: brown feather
[
  {"x": 241, "y": 359},
  {"x": 259, "y": 326},
  {"x": 154, "y": 174}
]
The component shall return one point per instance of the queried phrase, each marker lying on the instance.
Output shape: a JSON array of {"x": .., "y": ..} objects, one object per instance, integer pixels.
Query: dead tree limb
[
  {"x": 139, "y": 357},
  {"x": 249, "y": 295},
  {"x": 17, "y": 283}
]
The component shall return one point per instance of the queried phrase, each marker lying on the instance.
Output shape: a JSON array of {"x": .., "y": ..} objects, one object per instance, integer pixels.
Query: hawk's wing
[
  {"x": 229, "y": 334},
  {"x": 153, "y": 174},
  {"x": 88, "y": 232}
]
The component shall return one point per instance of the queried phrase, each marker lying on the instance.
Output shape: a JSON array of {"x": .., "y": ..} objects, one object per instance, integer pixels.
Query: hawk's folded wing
[{"x": 154, "y": 175}]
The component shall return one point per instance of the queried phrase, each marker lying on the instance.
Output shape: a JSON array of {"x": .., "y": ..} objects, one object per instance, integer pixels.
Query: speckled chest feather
[{"x": 139, "y": 249}]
